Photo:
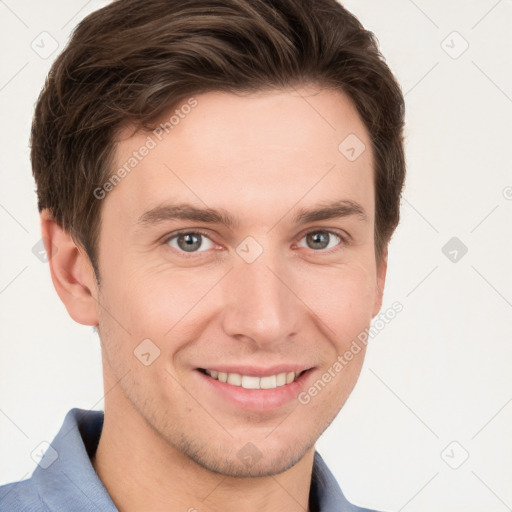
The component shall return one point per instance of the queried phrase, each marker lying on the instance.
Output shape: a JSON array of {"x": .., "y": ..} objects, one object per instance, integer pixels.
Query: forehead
[{"x": 259, "y": 150}]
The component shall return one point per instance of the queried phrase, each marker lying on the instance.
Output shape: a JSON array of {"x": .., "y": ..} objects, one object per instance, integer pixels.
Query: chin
[
  {"x": 245, "y": 459},
  {"x": 263, "y": 465}
]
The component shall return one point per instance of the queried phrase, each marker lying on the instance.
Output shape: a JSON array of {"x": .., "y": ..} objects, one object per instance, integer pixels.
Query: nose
[{"x": 260, "y": 301}]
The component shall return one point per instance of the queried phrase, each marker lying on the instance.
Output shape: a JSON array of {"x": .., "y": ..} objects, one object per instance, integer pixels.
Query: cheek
[
  {"x": 342, "y": 298},
  {"x": 155, "y": 301}
]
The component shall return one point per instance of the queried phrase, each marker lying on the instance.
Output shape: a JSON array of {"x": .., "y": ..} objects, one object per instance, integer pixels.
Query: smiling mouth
[{"x": 252, "y": 382}]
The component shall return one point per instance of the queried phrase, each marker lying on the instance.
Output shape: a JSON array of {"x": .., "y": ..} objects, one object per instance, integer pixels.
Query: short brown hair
[{"x": 133, "y": 60}]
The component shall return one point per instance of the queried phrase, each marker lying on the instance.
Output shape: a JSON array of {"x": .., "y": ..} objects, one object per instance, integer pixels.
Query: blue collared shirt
[{"x": 65, "y": 479}]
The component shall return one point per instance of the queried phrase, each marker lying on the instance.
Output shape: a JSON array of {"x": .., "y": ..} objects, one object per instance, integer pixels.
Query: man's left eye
[{"x": 321, "y": 240}]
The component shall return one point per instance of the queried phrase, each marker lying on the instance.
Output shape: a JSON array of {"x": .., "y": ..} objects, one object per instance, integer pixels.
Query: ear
[
  {"x": 71, "y": 270},
  {"x": 382, "y": 267}
]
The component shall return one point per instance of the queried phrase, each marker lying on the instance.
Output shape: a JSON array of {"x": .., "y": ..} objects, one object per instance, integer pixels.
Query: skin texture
[{"x": 170, "y": 442}]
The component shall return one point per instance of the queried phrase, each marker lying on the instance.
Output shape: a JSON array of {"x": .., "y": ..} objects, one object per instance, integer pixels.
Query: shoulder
[
  {"x": 66, "y": 461},
  {"x": 21, "y": 496},
  {"x": 326, "y": 493}
]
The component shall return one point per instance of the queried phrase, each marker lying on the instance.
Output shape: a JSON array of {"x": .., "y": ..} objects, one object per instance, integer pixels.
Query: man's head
[{"x": 232, "y": 170}]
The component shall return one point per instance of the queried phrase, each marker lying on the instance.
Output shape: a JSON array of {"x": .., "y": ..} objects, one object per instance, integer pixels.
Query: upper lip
[{"x": 258, "y": 371}]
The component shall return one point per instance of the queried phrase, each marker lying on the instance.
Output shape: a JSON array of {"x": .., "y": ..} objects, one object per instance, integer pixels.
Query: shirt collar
[{"x": 66, "y": 476}]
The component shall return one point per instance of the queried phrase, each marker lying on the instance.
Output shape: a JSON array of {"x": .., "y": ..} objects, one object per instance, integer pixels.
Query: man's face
[{"x": 269, "y": 293}]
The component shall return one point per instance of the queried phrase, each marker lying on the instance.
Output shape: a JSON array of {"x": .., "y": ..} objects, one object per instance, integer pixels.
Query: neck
[{"x": 142, "y": 471}]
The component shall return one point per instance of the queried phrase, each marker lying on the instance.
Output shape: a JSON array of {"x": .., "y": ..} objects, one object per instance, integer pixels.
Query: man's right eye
[{"x": 189, "y": 241}]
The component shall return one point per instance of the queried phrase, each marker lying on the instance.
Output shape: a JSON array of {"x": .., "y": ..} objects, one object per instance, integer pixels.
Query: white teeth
[
  {"x": 235, "y": 379},
  {"x": 250, "y": 382},
  {"x": 281, "y": 379},
  {"x": 269, "y": 382}
]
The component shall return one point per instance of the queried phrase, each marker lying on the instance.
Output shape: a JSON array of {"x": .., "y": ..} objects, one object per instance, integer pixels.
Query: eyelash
[{"x": 344, "y": 240}]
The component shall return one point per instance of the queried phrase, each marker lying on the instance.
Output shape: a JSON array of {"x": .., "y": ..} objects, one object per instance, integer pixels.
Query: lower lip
[{"x": 257, "y": 400}]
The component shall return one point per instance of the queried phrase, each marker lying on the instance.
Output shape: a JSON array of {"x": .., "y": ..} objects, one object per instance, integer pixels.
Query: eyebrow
[{"x": 186, "y": 211}]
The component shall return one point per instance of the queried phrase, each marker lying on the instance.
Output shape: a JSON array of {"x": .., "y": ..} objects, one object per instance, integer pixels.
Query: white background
[{"x": 438, "y": 373}]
